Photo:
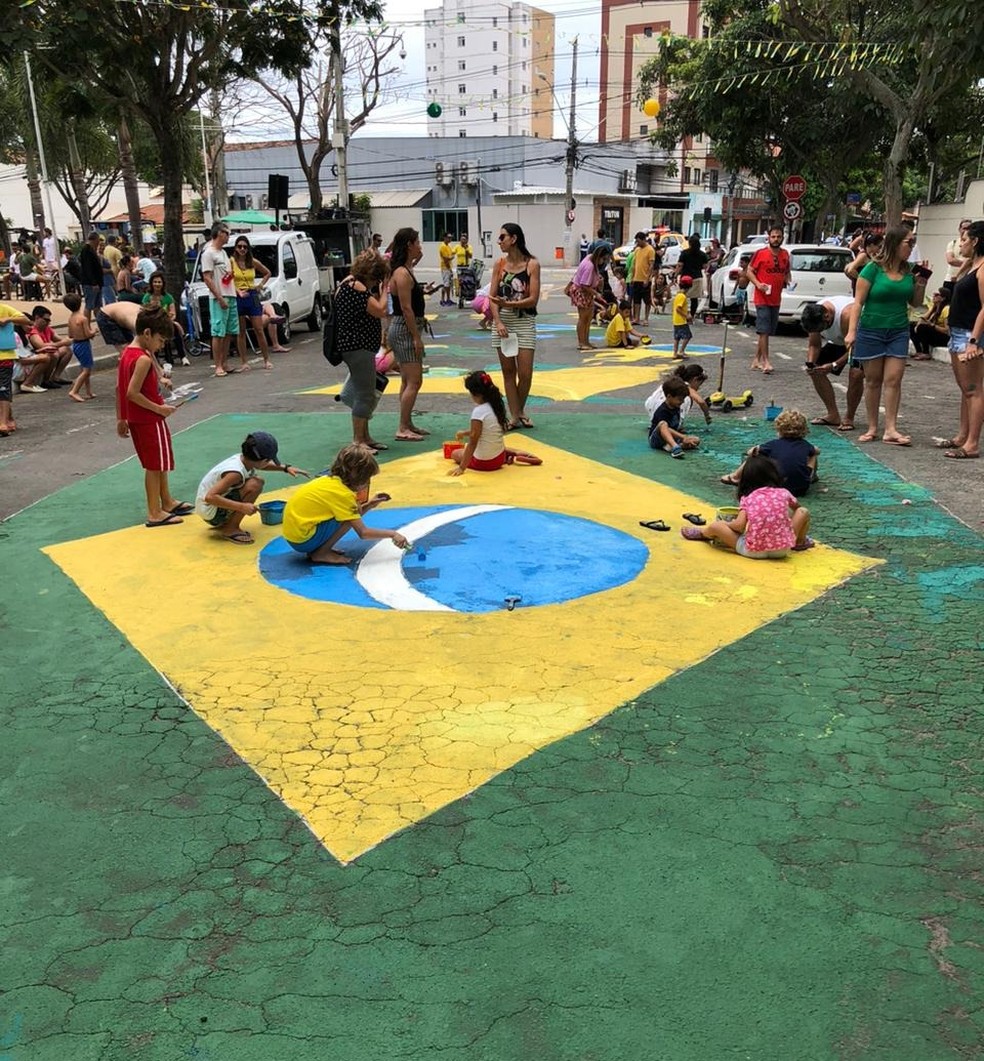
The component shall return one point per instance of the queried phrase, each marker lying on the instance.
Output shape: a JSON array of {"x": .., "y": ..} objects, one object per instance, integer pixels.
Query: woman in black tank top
[
  {"x": 513, "y": 297},
  {"x": 407, "y": 329},
  {"x": 967, "y": 347}
]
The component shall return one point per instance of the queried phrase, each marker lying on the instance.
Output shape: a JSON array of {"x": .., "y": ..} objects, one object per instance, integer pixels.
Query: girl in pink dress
[{"x": 771, "y": 523}]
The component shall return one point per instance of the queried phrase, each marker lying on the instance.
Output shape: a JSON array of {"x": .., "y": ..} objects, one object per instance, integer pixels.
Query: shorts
[
  {"x": 696, "y": 289},
  {"x": 492, "y": 465},
  {"x": 322, "y": 533},
  {"x": 958, "y": 339},
  {"x": 248, "y": 305},
  {"x": 223, "y": 322},
  {"x": 639, "y": 291},
  {"x": 223, "y": 515},
  {"x": 770, "y": 554},
  {"x": 82, "y": 348},
  {"x": 401, "y": 342},
  {"x": 829, "y": 353},
  {"x": 522, "y": 325},
  {"x": 682, "y": 331},
  {"x": 766, "y": 320},
  {"x": 446, "y": 277},
  {"x": 6, "y": 381},
  {"x": 113, "y": 334},
  {"x": 873, "y": 343},
  {"x": 92, "y": 295},
  {"x": 152, "y": 442}
]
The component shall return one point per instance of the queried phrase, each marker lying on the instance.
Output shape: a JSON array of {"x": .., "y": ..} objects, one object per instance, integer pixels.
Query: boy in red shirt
[
  {"x": 142, "y": 414},
  {"x": 768, "y": 273}
]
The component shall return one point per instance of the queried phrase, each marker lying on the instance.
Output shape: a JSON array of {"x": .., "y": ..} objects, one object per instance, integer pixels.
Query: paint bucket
[
  {"x": 452, "y": 447},
  {"x": 727, "y": 512},
  {"x": 272, "y": 512},
  {"x": 772, "y": 411}
]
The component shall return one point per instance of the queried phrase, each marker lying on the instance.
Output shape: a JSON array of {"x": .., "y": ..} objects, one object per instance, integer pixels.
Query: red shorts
[
  {"x": 493, "y": 465},
  {"x": 153, "y": 445}
]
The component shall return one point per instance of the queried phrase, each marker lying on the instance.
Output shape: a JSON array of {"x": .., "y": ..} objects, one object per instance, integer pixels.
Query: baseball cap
[
  {"x": 260, "y": 446},
  {"x": 686, "y": 281}
]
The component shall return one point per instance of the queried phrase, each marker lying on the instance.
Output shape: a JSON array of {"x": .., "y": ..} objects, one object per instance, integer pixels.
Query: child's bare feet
[{"x": 75, "y": 397}]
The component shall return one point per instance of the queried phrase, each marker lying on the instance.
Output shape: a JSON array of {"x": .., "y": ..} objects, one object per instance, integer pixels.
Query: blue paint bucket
[
  {"x": 272, "y": 512},
  {"x": 772, "y": 411}
]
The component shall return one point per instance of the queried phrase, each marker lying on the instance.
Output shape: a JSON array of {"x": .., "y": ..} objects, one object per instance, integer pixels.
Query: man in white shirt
[
  {"x": 222, "y": 312},
  {"x": 954, "y": 261},
  {"x": 50, "y": 246},
  {"x": 826, "y": 323}
]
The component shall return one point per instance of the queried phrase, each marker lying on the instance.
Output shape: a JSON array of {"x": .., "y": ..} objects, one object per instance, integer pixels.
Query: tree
[
  {"x": 165, "y": 57},
  {"x": 308, "y": 99}
]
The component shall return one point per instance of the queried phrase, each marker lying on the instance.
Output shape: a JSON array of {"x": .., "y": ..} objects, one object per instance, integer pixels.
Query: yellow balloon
[{"x": 651, "y": 108}]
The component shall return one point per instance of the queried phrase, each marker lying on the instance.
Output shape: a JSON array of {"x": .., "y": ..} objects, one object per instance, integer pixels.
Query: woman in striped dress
[{"x": 513, "y": 295}]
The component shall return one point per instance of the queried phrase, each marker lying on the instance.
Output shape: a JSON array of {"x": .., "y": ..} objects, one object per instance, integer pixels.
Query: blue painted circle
[{"x": 474, "y": 563}]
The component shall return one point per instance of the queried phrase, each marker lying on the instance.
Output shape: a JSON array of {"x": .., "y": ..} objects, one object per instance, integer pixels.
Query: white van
[{"x": 294, "y": 286}]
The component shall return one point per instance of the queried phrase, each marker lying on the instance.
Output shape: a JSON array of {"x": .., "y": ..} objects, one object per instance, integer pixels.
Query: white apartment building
[{"x": 484, "y": 62}]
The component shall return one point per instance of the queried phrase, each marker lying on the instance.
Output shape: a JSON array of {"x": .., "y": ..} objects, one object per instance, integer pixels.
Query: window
[
  {"x": 698, "y": 176},
  {"x": 462, "y": 89},
  {"x": 526, "y": 42},
  {"x": 643, "y": 130},
  {"x": 495, "y": 70},
  {"x": 462, "y": 133},
  {"x": 712, "y": 180},
  {"x": 524, "y": 64},
  {"x": 495, "y": 116},
  {"x": 495, "y": 46},
  {"x": 495, "y": 22},
  {"x": 462, "y": 112},
  {"x": 290, "y": 262},
  {"x": 461, "y": 42},
  {"x": 686, "y": 175},
  {"x": 648, "y": 31},
  {"x": 495, "y": 93},
  {"x": 435, "y": 223},
  {"x": 461, "y": 64},
  {"x": 461, "y": 17},
  {"x": 832, "y": 260}
]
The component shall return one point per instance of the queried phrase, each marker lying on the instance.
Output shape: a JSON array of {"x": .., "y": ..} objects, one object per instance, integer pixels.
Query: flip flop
[
  {"x": 524, "y": 458},
  {"x": 947, "y": 443},
  {"x": 654, "y": 524},
  {"x": 692, "y": 534},
  {"x": 903, "y": 440},
  {"x": 729, "y": 480},
  {"x": 807, "y": 543},
  {"x": 695, "y": 519},
  {"x": 182, "y": 508},
  {"x": 822, "y": 421},
  {"x": 866, "y": 437},
  {"x": 845, "y": 427},
  {"x": 239, "y": 538},
  {"x": 525, "y": 421},
  {"x": 166, "y": 522},
  {"x": 960, "y": 454},
  {"x": 408, "y": 438},
  {"x": 377, "y": 446}
]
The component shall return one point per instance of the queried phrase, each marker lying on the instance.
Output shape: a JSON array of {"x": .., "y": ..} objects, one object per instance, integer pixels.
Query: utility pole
[
  {"x": 571, "y": 163},
  {"x": 44, "y": 170},
  {"x": 339, "y": 138}
]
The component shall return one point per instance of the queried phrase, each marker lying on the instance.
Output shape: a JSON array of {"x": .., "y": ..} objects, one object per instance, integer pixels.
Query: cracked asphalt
[{"x": 771, "y": 853}]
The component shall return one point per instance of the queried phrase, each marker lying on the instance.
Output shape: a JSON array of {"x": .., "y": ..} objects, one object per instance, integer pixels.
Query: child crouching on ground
[
  {"x": 228, "y": 492},
  {"x": 620, "y": 331},
  {"x": 318, "y": 513},
  {"x": 484, "y": 450},
  {"x": 664, "y": 428},
  {"x": 796, "y": 458},
  {"x": 771, "y": 522},
  {"x": 661, "y": 291}
]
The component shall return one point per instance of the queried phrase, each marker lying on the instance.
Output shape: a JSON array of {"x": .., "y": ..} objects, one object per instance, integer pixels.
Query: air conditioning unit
[
  {"x": 248, "y": 201},
  {"x": 443, "y": 175},
  {"x": 627, "y": 181},
  {"x": 468, "y": 172},
  {"x": 264, "y": 201}
]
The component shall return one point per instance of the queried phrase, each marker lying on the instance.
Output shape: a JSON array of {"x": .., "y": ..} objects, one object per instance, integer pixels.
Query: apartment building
[{"x": 483, "y": 64}]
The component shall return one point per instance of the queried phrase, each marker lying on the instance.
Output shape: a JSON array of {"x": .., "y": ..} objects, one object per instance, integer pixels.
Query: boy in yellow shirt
[
  {"x": 8, "y": 358},
  {"x": 620, "y": 331},
  {"x": 446, "y": 259},
  {"x": 682, "y": 319}
]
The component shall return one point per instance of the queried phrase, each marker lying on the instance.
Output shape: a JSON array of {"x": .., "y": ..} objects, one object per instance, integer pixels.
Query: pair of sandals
[
  {"x": 520, "y": 422},
  {"x": 661, "y": 525}
]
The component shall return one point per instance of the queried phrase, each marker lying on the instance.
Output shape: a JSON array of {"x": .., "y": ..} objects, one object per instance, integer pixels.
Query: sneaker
[
  {"x": 48, "y": 385},
  {"x": 185, "y": 361},
  {"x": 675, "y": 451},
  {"x": 28, "y": 389}
]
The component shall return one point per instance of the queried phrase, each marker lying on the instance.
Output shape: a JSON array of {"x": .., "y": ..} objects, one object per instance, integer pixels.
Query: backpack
[{"x": 329, "y": 333}]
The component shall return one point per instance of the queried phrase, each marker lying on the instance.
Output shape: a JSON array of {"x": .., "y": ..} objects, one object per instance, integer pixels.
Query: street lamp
[{"x": 571, "y": 156}]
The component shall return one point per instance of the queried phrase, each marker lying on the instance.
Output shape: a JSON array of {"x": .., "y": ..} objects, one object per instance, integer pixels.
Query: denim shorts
[
  {"x": 872, "y": 343},
  {"x": 766, "y": 320},
  {"x": 958, "y": 339},
  {"x": 682, "y": 331},
  {"x": 322, "y": 533}
]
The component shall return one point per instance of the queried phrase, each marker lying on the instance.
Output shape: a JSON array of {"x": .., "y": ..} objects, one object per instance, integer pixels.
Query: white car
[
  {"x": 294, "y": 286},
  {"x": 816, "y": 273}
]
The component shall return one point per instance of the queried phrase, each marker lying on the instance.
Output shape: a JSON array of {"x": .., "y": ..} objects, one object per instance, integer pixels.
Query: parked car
[
  {"x": 816, "y": 271},
  {"x": 671, "y": 242},
  {"x": 295, "y": 282}
]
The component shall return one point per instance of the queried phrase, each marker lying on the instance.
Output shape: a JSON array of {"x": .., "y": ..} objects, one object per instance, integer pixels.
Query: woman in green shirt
[
  {"x": 158, "y": 298},
  {"x": 887, "y": 286}
]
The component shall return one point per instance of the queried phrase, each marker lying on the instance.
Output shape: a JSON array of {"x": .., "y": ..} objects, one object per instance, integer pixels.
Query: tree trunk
[
  {"x": 78, "y": 182},
  {"x": 131, "y": 188},
  {"x": 215, "y": 139},
  {"x": 894, "y": 169},
  {"x": 34, "y": 185},
  {"x": 172, "y": 173}
]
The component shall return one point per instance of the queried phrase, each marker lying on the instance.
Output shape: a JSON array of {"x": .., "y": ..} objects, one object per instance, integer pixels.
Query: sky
[{"x": 405, "y": 113}]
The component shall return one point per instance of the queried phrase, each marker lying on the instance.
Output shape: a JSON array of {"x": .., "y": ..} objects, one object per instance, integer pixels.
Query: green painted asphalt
[{"x": 773, "y": 855}]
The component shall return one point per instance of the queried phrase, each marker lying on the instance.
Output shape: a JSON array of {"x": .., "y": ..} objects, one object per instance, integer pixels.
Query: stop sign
[{"x": 794, "y": 187}]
